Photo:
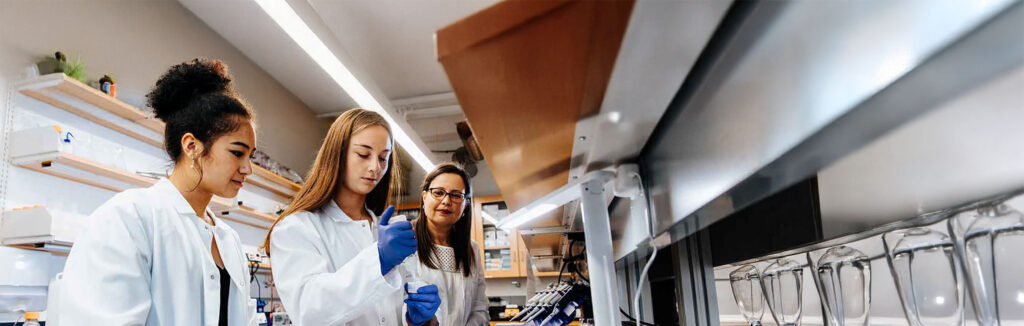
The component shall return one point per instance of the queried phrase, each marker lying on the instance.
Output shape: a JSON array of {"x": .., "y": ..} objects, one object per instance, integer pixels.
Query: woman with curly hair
[{"x": 157, "y": 255}]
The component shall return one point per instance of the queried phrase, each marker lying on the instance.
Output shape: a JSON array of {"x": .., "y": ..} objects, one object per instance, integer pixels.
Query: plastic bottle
[{"x": 409, "y": 267}]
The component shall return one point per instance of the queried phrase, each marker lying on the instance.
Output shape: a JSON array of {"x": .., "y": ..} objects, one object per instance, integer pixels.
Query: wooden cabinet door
[{"x": 499, "y": 249}]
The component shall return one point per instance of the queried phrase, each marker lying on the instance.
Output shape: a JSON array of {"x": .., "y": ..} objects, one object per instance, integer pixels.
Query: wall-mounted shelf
[
  {"x": 73, "y": 96},
  {"x": 272, "y": 182},
  {"x": 74, "y": 168},
  {"x": 228, "y": 211},
  {"x": 77, "y": 169},
  {"x": 77, "y": 98},
  {"x": 52, "y": 248}
]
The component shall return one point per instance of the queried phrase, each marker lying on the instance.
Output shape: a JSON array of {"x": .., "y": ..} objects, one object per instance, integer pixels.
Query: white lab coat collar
[
  {"x": 174, "y": 196},
  {"x": 332, "y": 210},
  {"x": 221, "y": 232}
]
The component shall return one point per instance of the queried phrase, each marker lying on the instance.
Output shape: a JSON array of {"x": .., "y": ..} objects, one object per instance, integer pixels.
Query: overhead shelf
[
  {"x": 557, "y": 58},
  {"x": 74, "y": 168},
  {"x": 272, "y": 182},
  {"x": 229, "y": 211},
  {"x": 52, "y": 248},
  {"x": 75, "y": 97}
]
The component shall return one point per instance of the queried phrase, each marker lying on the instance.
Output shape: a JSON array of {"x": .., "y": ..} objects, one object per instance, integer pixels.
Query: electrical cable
[
  {"x": 624, "y": 313},
  {"x": 561, "y": 270},
  {"x": 640, "y": 284},
  {"x": 22, "y": 313},
  {"x": 654, "y": 251}
]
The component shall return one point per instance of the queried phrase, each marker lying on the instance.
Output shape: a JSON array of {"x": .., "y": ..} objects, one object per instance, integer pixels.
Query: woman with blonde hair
[{"x": 332, "y": 257}]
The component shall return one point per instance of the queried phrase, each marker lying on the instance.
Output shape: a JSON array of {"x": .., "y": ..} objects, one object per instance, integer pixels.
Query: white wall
[{"x": 135, "y": 41}]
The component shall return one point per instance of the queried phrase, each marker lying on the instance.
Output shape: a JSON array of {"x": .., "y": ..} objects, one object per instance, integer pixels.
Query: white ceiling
[
  {"x": 393, "y": 41},
  {"x": 389, "y": 46}
]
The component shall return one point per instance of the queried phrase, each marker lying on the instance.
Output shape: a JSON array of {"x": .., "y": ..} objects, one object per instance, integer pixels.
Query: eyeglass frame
[{"x": 448, "y": 194}]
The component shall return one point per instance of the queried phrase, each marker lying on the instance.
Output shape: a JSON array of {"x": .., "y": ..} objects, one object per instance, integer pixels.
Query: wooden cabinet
[
  {"x": 500, "y": 250},
  {"x": 503, "y": 253}
]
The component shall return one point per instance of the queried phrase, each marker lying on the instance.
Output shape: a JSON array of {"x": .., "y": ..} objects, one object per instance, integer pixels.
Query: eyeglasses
[{"x": 439, "y": 193}]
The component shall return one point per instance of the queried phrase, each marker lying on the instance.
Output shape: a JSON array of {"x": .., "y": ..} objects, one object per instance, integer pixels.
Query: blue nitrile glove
[
  {"x": 421, "y": 305},
  {"x": 394, "y": 242}
]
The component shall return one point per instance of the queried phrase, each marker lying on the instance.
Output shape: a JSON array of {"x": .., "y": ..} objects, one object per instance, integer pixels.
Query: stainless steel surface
[
  {"x": 695, "y": 286},
  {"x": 966, "y": 149},
  {"x": 662, "y": 42},
  {"x": 778, "y": 103},
  {"x": 600, "y": 261},
  {"x": 545, "y": 230},
  {"x": 916, "y": 221}
]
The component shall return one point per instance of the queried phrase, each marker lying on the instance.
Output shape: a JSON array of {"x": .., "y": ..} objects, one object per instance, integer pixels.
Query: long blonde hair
[{"x": 326, "y": 175}]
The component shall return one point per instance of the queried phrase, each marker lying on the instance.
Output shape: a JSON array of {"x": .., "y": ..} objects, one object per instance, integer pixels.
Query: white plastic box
[
  {"x": 35, "y": 144},
  {"x": 39, "y": 226}
]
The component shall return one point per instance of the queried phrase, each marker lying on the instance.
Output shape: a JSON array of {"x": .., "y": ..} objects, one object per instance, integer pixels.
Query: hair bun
[{"x": 185, "y": 82}]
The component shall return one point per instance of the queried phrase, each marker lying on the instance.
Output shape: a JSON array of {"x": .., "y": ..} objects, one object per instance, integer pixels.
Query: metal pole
[{"x": 600, "y": 259}]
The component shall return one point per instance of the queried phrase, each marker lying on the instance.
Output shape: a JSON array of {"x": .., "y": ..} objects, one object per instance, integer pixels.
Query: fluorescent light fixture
[
  {"x": 292, "y": 24},
  {"x": 555, "y": 199},
  {"x": 489, "y": 218},
  {"x": 529, "y": 215}
]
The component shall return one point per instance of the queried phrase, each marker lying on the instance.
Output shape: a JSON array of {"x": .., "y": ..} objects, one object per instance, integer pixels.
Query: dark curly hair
[{"x": 197, "y": 97}]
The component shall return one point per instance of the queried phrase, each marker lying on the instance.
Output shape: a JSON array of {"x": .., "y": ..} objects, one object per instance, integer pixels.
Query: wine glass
[
  {"x": 782, "y": 284},
  {"x": 923, "y": 266},
  {"x": 746, "y": 290},
  {"x": 986, "y": 240},
  {"x": 844, "y": 276}
]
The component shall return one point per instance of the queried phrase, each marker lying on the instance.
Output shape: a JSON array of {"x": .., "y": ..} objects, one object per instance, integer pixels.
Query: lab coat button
[{"x": 212, "y": 276}]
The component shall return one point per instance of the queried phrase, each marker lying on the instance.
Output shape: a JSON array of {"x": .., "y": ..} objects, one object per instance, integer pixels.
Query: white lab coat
[
  {"x": 144, "y": 259},
  {"x": 327, "y": 271},
  {"x": 463, "y": 299}
]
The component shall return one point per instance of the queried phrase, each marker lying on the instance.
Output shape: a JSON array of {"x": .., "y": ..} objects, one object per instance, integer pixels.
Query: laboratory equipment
[
  {"x": 409, "y": 266},
  {"x": 280, "y": 318},
  {"x": 782, "y": 283},
  {"x": 36, "y": 143},
  {"x": 987, "y": 239},
  {"x": 844, "y": 285},
  {"x": 927, "y": 280},
  {"x": 24, "y": 281},
  {"x": 40, "y": 227},
  {"x": 541, "y": 300},
  {"x": 556, "y": 305},
  {"x": 746, "y": 290}
]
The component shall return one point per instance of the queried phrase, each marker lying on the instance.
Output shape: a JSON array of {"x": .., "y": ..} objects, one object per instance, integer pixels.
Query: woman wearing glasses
[{"x": 447, "y": 256}]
